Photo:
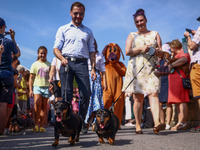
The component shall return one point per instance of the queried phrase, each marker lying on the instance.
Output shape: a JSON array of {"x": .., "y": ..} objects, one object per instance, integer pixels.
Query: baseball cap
[
  {"x": 2, "y": 23},
  {"x": 166, "y": 48}
]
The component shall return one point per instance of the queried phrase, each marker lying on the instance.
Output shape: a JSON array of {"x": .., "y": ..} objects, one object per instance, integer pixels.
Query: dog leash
[
  {"x": 112, "y": 106},
  {"x": 66, "y": 82}
]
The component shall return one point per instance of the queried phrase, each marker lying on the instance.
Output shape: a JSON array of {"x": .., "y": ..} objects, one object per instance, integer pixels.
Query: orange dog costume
[{"x": 115, "y": 70}]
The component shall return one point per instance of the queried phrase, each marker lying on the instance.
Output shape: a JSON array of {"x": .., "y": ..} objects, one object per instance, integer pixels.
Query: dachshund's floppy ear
[
  {"x": 120, "y": 51},
  {"x": 91, "y": 118},
  {"x": 104, "y": 50}
]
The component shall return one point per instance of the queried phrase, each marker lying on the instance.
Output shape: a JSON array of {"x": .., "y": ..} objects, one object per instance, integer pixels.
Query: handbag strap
[{"x": 179, "y": 73}]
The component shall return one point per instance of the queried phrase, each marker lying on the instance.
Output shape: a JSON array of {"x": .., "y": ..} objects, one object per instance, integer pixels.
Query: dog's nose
[
  {"x": 102, "y": 119},
  {"x": 58, "y": 113}
]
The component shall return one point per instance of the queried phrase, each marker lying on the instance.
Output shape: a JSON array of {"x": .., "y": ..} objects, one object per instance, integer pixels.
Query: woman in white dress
[{"x": 138, "y": 45}]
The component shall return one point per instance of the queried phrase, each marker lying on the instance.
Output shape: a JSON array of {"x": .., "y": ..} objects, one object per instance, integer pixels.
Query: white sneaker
[
  {"x": 167, "y": 127},
  {"x": 129, "y": 124}
]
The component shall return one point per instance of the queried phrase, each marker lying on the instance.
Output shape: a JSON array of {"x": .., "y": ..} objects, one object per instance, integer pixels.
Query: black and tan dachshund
[
  {"x": 67, "y": 123},
  {"x": 106, "y": 125},
  {"x": 21, "y": 123}
]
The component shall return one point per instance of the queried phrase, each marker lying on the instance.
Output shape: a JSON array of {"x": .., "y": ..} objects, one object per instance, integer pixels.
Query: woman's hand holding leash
[{"x": 93, "y": 74}]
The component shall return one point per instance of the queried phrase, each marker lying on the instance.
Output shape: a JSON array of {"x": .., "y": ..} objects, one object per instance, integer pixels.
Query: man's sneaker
[
  {"x": 42, "y": 129},
  {"x": 167, "y": 127},
  {"x": 36, "y": 129},
  {"x": 84, "y": 128}
]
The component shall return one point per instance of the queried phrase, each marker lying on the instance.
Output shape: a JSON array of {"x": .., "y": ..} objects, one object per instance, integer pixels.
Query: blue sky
[{"x": 36, "y": 21}]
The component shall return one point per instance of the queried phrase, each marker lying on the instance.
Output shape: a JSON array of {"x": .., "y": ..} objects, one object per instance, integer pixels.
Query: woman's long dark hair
[{"x": 41, "y": 47}]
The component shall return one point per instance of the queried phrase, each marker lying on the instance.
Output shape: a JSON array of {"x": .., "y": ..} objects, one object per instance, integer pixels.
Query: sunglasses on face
[{"x": 78, "y": 13}]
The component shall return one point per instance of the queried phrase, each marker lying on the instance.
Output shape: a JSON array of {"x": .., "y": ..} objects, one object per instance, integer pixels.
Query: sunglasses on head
[
  {"x": 76, "y": 13},
  {"x": 139, "y": 13}
]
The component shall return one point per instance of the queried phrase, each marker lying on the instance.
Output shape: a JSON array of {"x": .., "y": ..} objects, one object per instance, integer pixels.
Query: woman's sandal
[
  {"x": 179, "y": 126},
  {"x": 159, "y": 128},
  {"x": 139, "y": 132},
  {"x": 183, "y": 126}
]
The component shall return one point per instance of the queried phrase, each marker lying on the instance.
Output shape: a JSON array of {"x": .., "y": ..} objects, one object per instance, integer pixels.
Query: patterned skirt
[
  {"x": 96, "y": 99},
  {"x": 145, "y": 81}
]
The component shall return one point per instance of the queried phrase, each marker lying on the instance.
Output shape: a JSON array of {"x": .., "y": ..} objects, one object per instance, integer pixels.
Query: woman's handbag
[{"x": 186, "y": 81}]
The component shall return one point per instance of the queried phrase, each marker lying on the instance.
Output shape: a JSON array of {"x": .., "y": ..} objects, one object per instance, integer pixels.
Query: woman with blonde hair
[{"x": 177, "y": 93}]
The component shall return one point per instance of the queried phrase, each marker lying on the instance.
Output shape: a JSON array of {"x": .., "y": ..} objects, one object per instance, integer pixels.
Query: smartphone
[
  {"x": 1, "y": 41},
  {"x": 198, "y": 19},
  {"x": 189, "y": 30},
  {"x": 6, "y": 33}
]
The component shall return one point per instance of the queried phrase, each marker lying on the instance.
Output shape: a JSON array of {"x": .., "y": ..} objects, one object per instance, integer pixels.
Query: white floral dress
[{"x": 146, "y": 82}]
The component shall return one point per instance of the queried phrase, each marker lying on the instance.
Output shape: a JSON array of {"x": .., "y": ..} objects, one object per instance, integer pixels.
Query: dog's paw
[
  {"x": 111, "y": 141},
  {"x": 77, "y": 139},
  {"x": 101, "y": 141},
  {"x": 72, "y": 142},
  {"x": 54, "y": 145}
]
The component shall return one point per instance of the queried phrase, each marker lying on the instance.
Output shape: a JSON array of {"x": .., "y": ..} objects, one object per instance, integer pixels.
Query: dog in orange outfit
[{"x": 115, "y": 70}]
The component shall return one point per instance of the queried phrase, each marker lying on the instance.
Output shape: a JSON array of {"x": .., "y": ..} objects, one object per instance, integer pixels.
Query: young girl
[
  {"x": 38, "y": 86},
  {"x": 75, "y": 100}
]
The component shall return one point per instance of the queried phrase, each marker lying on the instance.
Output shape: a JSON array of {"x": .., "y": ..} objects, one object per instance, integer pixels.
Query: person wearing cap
[
  {"x": 74, "y": 45},
  {"x": 163, "y": 95},
  {"x": 6, "y": 72},
  {"x": 194, "y": 51}
]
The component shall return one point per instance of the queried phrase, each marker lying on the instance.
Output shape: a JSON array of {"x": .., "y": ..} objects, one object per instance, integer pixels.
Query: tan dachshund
[{"x": 115, "y": 70}]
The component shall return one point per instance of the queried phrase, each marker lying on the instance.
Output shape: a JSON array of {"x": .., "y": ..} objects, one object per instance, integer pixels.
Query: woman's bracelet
[
  {"x": 188, "y": 36},
  {"x": 93, "y": 68}
]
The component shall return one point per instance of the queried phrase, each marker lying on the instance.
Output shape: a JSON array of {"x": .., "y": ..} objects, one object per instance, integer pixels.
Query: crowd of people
[{"x": 77, "y": 75}]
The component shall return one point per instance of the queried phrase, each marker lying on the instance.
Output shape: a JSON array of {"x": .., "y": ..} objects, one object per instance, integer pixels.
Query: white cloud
[
  {"x": 30, "y": 23},
  {"x": 27, "y": 53}
]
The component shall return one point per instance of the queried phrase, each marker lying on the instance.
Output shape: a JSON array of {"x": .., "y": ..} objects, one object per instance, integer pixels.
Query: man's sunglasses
[{"x": 76, "y": 13}]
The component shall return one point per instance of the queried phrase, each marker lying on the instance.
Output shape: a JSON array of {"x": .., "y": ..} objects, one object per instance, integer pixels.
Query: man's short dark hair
[{"x": 77, "y": 4}]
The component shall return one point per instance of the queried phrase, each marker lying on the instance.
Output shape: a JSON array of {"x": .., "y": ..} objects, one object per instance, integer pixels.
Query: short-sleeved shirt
[
  {"x": 6, "y": 58},
  {"x": 41, "y": 71},
  {"x": 23, "y": 85},
  {"x": 74, "y": 41},
  {"x": 100, "y": 65},
  {"x": 195, "y": 55},
  {"x": 57, "y": 63}
]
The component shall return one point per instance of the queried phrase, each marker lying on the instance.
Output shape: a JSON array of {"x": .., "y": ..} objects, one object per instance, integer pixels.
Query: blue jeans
[{"x": 79, "y": 70}]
